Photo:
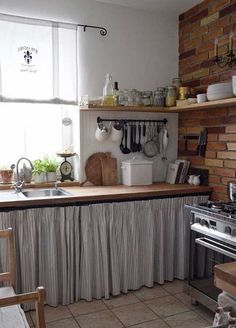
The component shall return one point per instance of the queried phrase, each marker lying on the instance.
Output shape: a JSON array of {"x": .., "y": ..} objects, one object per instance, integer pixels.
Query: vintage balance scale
[{"x": 66, "y": 168}]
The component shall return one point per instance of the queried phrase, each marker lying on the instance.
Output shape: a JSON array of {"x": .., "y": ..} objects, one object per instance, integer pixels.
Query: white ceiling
[{"x": 169, "y": 7}]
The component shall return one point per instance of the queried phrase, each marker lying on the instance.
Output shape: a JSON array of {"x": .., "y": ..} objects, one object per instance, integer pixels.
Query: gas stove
[
  {"x": 227, "y": 209},
  {"x": 212, "y": 241},
  {"x": 216, "y": 218}
]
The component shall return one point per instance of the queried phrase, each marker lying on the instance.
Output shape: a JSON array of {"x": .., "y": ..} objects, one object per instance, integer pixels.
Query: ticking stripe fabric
[{"x": 86, "y": 252}]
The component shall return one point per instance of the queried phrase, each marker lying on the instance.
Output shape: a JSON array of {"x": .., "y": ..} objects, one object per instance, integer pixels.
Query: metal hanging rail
[
  {"x": 103, "y": 30},
  {"x": 125, "y": 121}
]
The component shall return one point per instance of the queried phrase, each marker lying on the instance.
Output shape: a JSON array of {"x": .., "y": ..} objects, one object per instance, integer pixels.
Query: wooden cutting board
[
  {"x": 101, "y": 169},
  {"x": 109, "y": 170}
]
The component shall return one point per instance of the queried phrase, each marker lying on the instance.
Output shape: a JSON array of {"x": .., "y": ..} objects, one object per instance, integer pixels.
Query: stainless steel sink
[{"x": 34, "y": 193}]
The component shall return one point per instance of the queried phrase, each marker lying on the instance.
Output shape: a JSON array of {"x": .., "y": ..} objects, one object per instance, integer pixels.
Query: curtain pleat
[{"x": 86, "y": 252}]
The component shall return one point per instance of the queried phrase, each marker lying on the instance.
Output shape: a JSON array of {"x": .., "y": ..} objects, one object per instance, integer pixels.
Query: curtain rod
[{"x": 103, "y": 30}]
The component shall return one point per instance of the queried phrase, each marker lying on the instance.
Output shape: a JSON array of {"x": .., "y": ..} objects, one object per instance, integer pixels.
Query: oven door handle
[{"x": 215, "y": 246}]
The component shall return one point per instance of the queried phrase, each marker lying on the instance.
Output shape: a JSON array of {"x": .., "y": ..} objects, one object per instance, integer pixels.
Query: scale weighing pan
[{"x": 66, "y": 154}]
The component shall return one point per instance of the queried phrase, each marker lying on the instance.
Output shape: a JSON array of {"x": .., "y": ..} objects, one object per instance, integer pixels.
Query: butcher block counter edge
[
  {"x": 226, "y": 272},
  {"x": 109, "y": 193}
]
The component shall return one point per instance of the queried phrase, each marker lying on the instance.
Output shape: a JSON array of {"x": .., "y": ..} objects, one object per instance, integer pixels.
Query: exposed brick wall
[
  {"x": 220, "y": 157},
  {"x": 198, "y": 29}
]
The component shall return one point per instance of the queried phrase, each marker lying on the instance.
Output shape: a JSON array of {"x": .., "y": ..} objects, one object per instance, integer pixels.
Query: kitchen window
[
  {"x": 38, "y": 87},
  {"x": 34, "y": 130},
  {"x": 38, "y": 61}
]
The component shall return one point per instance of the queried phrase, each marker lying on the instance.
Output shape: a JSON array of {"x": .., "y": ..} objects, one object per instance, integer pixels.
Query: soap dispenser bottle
[{"x": 108, "y": 92}]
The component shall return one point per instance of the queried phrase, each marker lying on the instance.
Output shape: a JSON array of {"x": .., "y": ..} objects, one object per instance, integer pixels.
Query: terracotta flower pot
[{"x": 6, "y": 176}]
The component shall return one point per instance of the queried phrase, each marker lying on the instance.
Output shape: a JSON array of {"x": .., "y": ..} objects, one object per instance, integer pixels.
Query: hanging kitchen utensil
[
  {"x": 144, "y": 129},
  {"x": 165, "y": 141},
  {"x": 139, "y": 146},
  {"x": 135, "y": 145},
  {"x": 150, "y": 148},
  {"x": 156, "y": 137},
  {"x": 131, "y": 137},
  {"x": 126, "y": 150},
  {"x": 122, "y": 139}
]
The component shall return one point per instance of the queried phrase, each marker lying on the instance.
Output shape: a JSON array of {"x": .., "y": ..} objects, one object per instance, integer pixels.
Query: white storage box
[{"x": 135, "y": 172}]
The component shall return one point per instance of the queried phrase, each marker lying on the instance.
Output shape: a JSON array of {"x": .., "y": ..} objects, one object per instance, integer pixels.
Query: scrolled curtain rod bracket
[{"x": 103, "y": 30}]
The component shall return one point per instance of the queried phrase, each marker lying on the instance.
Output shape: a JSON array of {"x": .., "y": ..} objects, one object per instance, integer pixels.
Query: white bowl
[
  {"x": 220, "y": 87},
  {"x": 219, "y": 95},
  {"x": 234, "y": 84}
]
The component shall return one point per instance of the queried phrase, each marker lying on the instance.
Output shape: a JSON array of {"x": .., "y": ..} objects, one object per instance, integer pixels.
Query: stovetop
[
  {"x": 224, "y": 208},
  {"x": 215, "y": 210}
]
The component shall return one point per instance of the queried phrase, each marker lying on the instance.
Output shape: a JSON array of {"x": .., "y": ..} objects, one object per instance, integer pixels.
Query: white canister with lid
[{"x": 136, "y": 172}]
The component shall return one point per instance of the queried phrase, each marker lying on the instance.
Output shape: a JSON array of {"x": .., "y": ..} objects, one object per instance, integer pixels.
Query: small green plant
[
  {"x": 51, "y": 165},
  {"x": 38, "y": 167}
]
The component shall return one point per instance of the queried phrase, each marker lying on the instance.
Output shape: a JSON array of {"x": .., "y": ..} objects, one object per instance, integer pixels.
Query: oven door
[{"x": 205, "y": 253}]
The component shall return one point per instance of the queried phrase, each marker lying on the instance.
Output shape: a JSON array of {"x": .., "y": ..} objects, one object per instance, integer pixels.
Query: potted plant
[
  {"x": 51, "y": 166},
  {"x": 6, "y": 174},
  {"x": 39, "y": 171}
]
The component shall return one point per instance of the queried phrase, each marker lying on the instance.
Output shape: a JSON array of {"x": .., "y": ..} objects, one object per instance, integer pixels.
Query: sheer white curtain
[{"x": 38, "y": 60}]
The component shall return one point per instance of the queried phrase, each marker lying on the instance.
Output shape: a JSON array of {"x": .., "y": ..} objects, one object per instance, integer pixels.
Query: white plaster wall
[
  {"x": 140, "y": 51},
  {"x": 90, "y": 145}
]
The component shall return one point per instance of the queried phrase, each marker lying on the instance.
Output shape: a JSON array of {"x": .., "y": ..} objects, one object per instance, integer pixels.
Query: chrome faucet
[{"x": 19, "y": 183}]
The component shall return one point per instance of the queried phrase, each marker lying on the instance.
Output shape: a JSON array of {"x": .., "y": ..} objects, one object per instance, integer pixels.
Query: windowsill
[{"x": 8, "y": 186}]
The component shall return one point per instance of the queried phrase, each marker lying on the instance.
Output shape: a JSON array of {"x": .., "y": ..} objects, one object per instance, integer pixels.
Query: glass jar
[
  {"x": 171, "y": 96},
  {"x": 177, "y": 82},
  {"x": 147, "y": 98},
  {"x": 159, "y": 97}
]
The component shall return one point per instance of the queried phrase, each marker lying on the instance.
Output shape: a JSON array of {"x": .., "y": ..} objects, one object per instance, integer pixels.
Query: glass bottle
[
  {"x": 171, "y": 96},
  {"x": 108, "y": 92},
  {"x": 116, "y": 94}
]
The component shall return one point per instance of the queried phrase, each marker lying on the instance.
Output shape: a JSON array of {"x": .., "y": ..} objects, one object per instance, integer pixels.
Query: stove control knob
[
  {"x": 233, "y": 232},
  {"x": 205, "y": 223},
  {"x": 228, "y": 230}
]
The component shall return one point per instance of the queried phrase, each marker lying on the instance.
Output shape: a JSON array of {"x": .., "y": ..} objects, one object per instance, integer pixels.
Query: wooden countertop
[
  {"x": 103, "y": 193},
  {"x": 225, "y": 277}
]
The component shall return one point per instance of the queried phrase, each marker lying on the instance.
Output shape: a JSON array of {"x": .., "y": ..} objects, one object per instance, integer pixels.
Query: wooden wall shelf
[
  {"x": 125, "y": 109},
  {"x": 230, "y": 102}
]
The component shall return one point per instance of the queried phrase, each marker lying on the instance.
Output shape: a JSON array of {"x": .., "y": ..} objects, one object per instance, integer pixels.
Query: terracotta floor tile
[
  {"x": 158, "y": 323},
  {"x": 64, "y": 323},
  {"x": 134, "y": 314},
  {"x": 201, "y": 310},
  {"x": 102, "y": 319},
  {"x": 186, "y": 299},
  {"x": 53, "y": 313},
  {"x": 186, "y": 320},
  {"x": 205, "y": 313},
  {"x": 84, "y": 307},
  {"x": 146, "y": 293},
  {"x": 166, "y": 306},
  {"x": 175, "y": 287},
  {"x": 121, "y": 300}
]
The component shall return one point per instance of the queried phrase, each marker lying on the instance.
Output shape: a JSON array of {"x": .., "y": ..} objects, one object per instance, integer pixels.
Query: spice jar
[
  {"x": 159, "y": 97},
  {"x": 171, "y": 96},
  {"x": 147, "y": 98}
]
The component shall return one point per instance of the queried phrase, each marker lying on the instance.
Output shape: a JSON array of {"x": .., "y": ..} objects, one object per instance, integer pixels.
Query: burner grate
[{"x": 226, "y": 208}]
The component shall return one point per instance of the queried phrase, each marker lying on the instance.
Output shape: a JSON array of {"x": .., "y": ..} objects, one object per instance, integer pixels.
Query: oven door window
[{"x": 205, "y": 253}]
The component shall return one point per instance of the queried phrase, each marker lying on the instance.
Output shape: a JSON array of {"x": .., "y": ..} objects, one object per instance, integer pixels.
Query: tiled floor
[{"x": 158, "y": 307}]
